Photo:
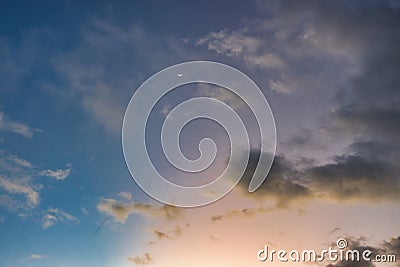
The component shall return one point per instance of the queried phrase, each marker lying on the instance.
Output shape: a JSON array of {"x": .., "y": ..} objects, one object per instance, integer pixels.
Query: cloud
[
  {"x": 301, "y": 58},
  {"x": 353, "y": 177},
  {"x": 37, "y": 257},
  {"x": 18, "y": 184},
  {"x": 334, "y": 230},
  {"x": 125, "y": 195},
  {"x": 230, "y": 43},
  {"x": 54, "y": 216},
  {"x": 14, "y": 187},
  {"x": 366, "y": 172},
  {"x": 146, "y": 259},
  {"x": 322, "y": 53},
  {"x": 359, "y": 245},
  {"x": 12, "y": 204},
  {"x": 221, "y": 94},
  {"x": 304, "y": 139},
  {"x": 172, "y": 234},
  {"x": 283, "y": 184},
  {"x": 85, "y": 211},
  {"x": 58, "y": 174},
  {"x": 120, "y": 210},
  {"x": 109, "y": 62},
  {"x": 21, "y": 162},
  {"x": 243, "y": 213},
  {"x": 161, "y": 235},
  {"x": 239, "y": 44},
  {"x": 390, "y": 247},
  {"x": 16, "y": 127}
]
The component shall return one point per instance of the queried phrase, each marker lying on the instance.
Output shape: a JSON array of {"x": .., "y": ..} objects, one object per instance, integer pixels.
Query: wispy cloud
[
  {"x": 37, "y": 257},
  {"x": 240, "y": 44},
  {"x": 54, "y": 216},
  {"x": 221, "y": 94},
  {"x": 120, "y": 210},
  {"x": 125, "y": 195},
  {"x": 171, "y": 234},
  {"x": 14, "y": 187},
  {"x": 242, "y": 213},
  {"x": 334, "y": 230},
  {"x": 58, "y": 174},
  {"x": 18, "y": 181},
  {"x": 104, "y": 77},
  {"x": 16, "y": 127},
  {"x": 21, "y": 162},
  {"x": 146, "y": 259}
]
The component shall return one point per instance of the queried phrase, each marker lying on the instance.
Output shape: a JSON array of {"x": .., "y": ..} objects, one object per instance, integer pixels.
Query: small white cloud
[
  {"x": 53, "y": 216},
  {"x": 125, "y": 195},
  {"x": 58, "y": 174},
  {"x": 279, "y": 87},
  {"x": 85, "y": 211},
  {"x": 37, "y": 257}
]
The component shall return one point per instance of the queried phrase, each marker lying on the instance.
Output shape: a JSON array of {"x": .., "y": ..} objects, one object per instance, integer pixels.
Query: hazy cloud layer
[{"x": 110, "y": 62}]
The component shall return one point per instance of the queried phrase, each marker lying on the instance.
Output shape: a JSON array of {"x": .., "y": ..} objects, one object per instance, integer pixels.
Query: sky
[{"x": 68, "y": 69}]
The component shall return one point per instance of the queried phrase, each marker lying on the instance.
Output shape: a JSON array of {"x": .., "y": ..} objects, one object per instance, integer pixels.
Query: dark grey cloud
[
  {"x": 392, "y": 247},
  {"x": 364, "y": 173},
  {"x": 282, "y": 184},
  {"x": 386, "y": 248},
  {"x": 303, "y": 139},
  {"x": 356, "y": 44},
  {"x": 356, "y": 244},
  {"x": 378, "y": 123},
  {"x": 354, "y": 178}
]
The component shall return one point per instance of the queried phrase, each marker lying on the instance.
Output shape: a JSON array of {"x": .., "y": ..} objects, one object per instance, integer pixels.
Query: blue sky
[{"x": 68, "y": 70}]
